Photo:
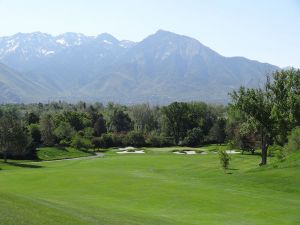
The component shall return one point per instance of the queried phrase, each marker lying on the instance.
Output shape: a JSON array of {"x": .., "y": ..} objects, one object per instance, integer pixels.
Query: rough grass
[
  {"x": 151, "y": 189},
  {"x": 53, "y": 153}
]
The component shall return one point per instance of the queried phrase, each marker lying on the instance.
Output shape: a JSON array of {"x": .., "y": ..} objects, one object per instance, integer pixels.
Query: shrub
[
  {"x": 281, "y": 154},
  {"x": 273, "y": 150},
  {"x": 134, "y": 138},
  {"x": 117, "y": 139},
  {"x": 35, "y": 133},
  {"x": 155, "y": 140},
  {"x": 277, "y": 151},
  {"x": 224, "y": 159},
  {"x": 293, "y": 140},
  {"x": 96, "y": 142},
  {"x": 64, "y": 142},
  {"x": 166, "y": 141},
  {"x": 64, "y": 131},
  {"x": 106, "y": 141},
  {"x": 194, "y": 137},
  {"x": 81, "y": 142}
]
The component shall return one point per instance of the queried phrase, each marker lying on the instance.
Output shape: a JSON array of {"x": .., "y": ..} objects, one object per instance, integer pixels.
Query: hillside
[
  {"x": 162, "y": 68},
  {"x": 16, "y": 88}
]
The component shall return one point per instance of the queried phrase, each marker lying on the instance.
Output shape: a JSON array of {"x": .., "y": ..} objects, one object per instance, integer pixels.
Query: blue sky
[{"x": 264, "y": 30}]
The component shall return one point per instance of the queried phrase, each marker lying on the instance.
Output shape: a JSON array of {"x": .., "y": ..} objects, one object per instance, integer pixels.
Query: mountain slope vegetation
[{"x": 162, "y": 68}]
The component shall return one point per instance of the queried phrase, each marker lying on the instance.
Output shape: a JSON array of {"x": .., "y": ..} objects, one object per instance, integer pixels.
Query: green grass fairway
[
  {"x": 157, "y": 189},
  {"x": 53, "y": 153}
]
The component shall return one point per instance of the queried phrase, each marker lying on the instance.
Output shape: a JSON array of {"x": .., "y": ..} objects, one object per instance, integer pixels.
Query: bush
[
  {"x": 155, "y": 140},
  {"x": 106, "y": 141},
  {"x": 166, "y": 141},
  {"x": 194, "y": 137},
  {"x": 35, "y": 133},
  {"x": 135, "y": 139},
  {"x": 224, "y": 159},
  {"x": 64, "y": 143},
  {"x": 81, "y": 142},
  {"x": 96, "y": 142},
  {"x": 64, "y": 131},
  {"x": 277, "y": 151},
  {"x": 273, "y": 150},
  {"x": 281, "y": 154},
  {"x": 109, "y": 140},
  {"x": 293, "y": 140},
  {"x": 117, "y": 139}
]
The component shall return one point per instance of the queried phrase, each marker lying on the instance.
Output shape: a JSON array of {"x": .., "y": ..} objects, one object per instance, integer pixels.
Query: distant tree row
[
  {"x": 87, "y": 126},
  {"x": 255, "y": 118}
]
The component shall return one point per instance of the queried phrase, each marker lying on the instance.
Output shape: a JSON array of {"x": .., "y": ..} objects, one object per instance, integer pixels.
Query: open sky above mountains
[{"x": 263, "y": 30}]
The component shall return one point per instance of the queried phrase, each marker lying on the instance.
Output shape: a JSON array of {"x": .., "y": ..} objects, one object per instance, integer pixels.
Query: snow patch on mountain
[
  {"x": 46, "y": 52},
  {"x": 126, "y": 44},
  {"x": 107, "y": 42},
  {"x": 62, "y": 42},
  {"x": 12, "y": 48}
]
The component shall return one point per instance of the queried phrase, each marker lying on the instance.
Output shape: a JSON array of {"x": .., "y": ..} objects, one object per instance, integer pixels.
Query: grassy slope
[
  {"x": 52, "y": 153},
  {"x": 151, "y": 189}
]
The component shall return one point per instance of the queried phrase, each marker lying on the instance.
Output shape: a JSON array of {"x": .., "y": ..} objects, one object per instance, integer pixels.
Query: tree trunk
[
  {"x": 264, "y": 150},
  {"x": 176, "y": 138},
  {"x": 263, "y": 155},
  {"x": 5, "y": 156}
]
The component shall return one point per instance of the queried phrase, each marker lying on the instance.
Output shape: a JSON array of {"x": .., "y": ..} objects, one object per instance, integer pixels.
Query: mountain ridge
[{"x": 161, "y": 68}]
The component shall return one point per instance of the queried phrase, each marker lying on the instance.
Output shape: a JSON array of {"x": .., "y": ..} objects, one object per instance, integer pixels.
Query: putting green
[{"x": 148, "y": 188}]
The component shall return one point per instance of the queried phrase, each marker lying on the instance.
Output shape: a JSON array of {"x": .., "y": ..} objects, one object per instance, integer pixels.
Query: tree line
[
  {"x": 255, "y": 118},
  {"x": 87, "y": 126}
]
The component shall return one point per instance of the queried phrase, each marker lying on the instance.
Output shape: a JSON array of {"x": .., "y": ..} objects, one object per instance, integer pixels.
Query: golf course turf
[
  {"x": 54, "y": 153},
  {"x": 156, "y": 188}
]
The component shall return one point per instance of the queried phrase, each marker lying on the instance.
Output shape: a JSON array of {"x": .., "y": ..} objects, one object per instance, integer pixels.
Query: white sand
[
  {"x": 179, "y": 153},
  {"x": 127, "y": 148},
  {"x": 135, "y": 152},
  {"x": 186, "y": 152},
  {"x": 232, "y": 152},
  {"x": 190, "y": 152}
]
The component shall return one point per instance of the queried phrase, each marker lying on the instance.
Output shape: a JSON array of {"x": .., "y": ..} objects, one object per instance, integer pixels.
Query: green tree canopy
[{"x": 14, "y": 137}]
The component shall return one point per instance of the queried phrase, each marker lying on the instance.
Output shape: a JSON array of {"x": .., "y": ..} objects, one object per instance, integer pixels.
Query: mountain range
[{"x": 164, "y": 67}]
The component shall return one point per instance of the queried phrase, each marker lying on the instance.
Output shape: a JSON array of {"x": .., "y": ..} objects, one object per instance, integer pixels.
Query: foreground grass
[
  {"x": 151, "y": 189},
  {"x": 53, "y": 153}
]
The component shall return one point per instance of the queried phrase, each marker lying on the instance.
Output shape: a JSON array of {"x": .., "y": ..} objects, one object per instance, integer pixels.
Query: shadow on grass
[
  {"x": 88, "y": 151},
  {"x": 249, "y": 153},
  {"x": 62, "y": 148},
  {"x": 230, "y": 170},
  {"x": 23, "y": 165}
]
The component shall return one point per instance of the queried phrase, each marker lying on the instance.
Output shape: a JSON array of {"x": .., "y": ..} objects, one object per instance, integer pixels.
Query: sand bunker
[
  {"x": 127, "y": 148},
  {"x": 190, "y": 152},
  {"x": 187, "y": 152},
  {"x": 232, "y": 152},
  {"x": 179, "y": 153},
  {"x": 132, "y": 152}
]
